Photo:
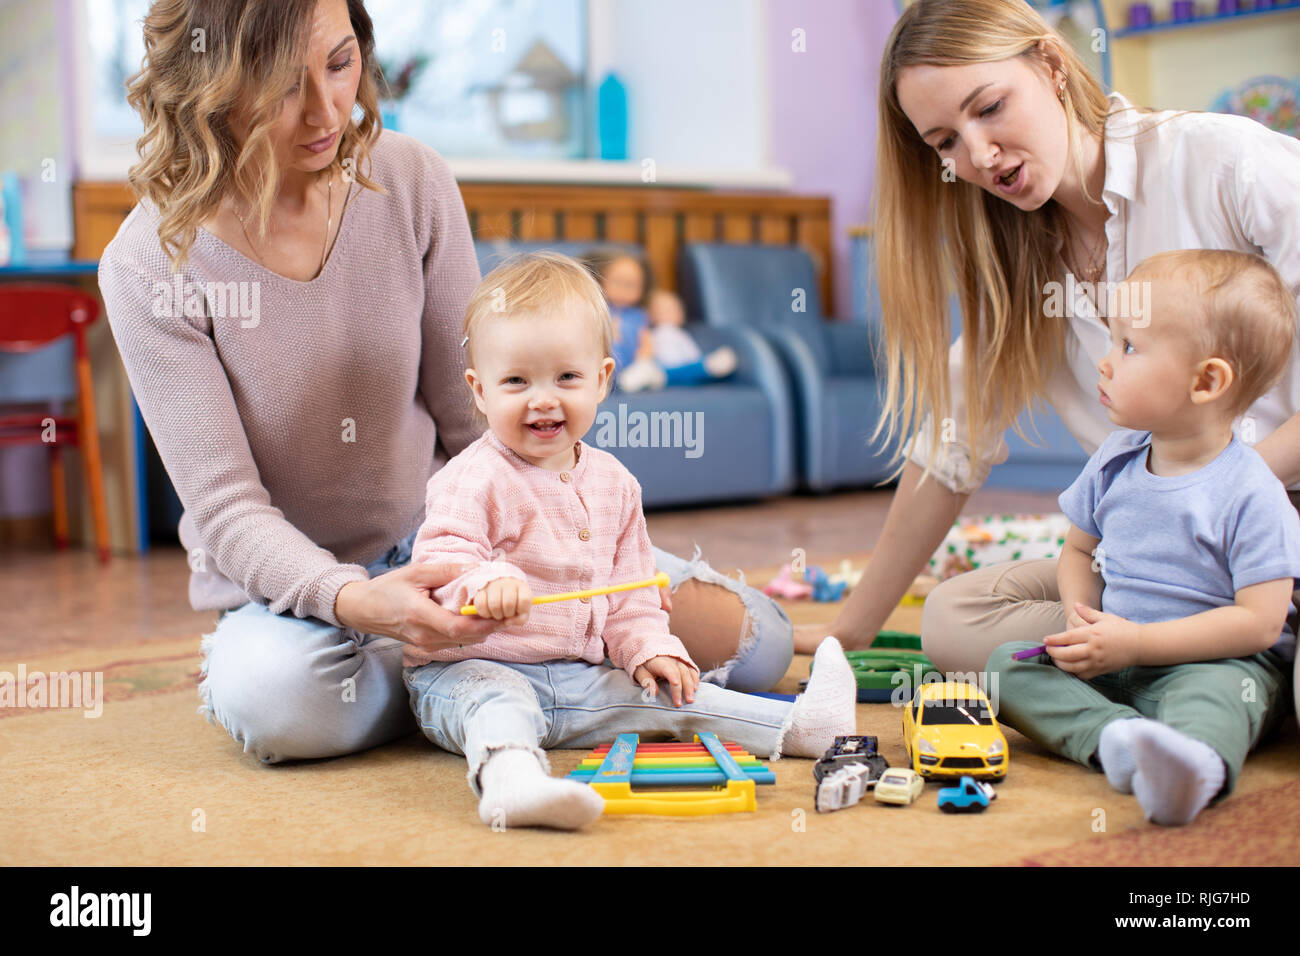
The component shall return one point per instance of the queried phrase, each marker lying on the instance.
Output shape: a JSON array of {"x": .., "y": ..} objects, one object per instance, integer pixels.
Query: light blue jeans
[
  {"x": 476, "y": 707},
  {"x": 291, "y": 688}
]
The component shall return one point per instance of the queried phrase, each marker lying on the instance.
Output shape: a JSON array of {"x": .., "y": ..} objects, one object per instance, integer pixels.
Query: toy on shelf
[
  {"x": 856, "y": 750},
  {"x": 899, "y": 786},
  {"x": 978, "y": 542},
  {"x": 876, "y": 669},
  {"x": 969, "y": 796},
  {"x": 726, "y": 769},
  {"x": 843, "y": 788},
  {"x": 659, "y": 580},
  {"x": 1273, "y": 101},
  {"x": 949, "y": 729}
]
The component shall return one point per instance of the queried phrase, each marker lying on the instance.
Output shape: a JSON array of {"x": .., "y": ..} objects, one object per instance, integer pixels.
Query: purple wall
[{"x": 824, "y": 108}]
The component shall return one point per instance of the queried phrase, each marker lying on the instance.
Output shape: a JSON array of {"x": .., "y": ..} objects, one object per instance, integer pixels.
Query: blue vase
[
  {"x": 13, "y": 218},
  {"x": 611, "y": 118},
  {"x": 389, "y": 114}
]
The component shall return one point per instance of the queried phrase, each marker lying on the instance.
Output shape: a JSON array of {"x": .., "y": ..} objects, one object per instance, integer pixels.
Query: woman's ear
[
  {"x": 1051, "y": 61},
  {"x": 1213, "y": 378},
  {"x": 476, "y": 389}
]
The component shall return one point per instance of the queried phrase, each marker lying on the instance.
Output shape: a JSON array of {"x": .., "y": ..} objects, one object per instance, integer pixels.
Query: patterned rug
[{"x": 148, "y": 781}]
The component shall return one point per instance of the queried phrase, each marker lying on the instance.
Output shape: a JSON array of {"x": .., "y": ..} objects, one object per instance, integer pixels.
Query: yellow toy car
[
  {"x": 949, "y": 730},
  {"x": 899, "y": 786}
]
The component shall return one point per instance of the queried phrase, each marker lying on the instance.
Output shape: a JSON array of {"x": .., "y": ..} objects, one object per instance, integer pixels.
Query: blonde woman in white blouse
[{"x": 999, "y": 150}]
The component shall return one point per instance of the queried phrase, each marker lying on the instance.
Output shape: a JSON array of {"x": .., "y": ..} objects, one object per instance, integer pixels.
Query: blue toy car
[{"x": 969, "y": 796}]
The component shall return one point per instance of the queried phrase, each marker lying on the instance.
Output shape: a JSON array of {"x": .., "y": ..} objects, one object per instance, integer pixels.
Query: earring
[{"x": 1060, "y": 90}]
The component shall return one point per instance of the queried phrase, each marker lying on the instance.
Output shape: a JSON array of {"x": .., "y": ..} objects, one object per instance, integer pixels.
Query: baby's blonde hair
[
  {"x": 1245, "y": 315},
  {"x": 538, "y": 285}
]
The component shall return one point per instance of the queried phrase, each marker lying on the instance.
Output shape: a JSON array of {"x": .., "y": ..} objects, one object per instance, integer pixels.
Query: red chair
[{"x": 32, "y": 316}]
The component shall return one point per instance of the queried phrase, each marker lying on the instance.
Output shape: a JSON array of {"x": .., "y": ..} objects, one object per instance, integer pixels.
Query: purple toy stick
[{"x": 1029, "y": 652}]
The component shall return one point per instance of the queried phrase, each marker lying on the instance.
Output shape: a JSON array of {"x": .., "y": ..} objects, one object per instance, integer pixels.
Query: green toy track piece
[
  {"x": 904, "y": 640},
  {"x": 890, "y": 653}
]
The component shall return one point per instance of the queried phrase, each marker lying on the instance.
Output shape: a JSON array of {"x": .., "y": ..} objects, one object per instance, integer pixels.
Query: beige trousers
[{"x": 970, "y": 614}]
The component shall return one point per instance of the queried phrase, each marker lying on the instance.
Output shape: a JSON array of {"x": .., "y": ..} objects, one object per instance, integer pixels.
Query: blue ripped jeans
[
  {"x": 290, "y": 688},
  {"x": 475, "y": 707}
]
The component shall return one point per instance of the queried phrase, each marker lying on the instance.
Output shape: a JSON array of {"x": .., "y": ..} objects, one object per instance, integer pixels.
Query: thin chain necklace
[
  {"x": 329, "y": 226},
  {"x": 1096, "y": 264}
]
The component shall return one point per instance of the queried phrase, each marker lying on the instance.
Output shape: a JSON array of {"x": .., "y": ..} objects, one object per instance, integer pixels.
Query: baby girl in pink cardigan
[{"x": 533, "y": 510}]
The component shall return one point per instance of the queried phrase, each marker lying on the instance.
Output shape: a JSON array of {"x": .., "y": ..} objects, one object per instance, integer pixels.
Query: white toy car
[
  {"x": 843, "y": 788},
  {"x": 899, "y": 785}
]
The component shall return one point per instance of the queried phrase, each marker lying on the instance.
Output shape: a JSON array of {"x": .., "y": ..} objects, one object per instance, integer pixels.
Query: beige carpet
[{"x": 150, "y": 782}]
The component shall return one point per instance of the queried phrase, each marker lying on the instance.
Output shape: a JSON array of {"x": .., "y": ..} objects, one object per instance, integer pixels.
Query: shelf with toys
[
  {"x": 1184, "y": 16},
  {"x": 1191, "y": 54}
]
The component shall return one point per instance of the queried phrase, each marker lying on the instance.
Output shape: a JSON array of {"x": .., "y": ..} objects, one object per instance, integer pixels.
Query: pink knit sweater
[
  {"x": 300, "y": 438},
  {"x": 559, "y": 531}
]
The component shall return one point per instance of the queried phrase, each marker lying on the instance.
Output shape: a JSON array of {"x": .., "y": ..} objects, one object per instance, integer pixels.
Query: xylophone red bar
[{"x": 673, "y": 748}]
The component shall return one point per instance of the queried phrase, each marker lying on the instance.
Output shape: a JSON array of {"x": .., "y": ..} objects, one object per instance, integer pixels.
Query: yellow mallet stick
[{"x": 659, "y": 580}]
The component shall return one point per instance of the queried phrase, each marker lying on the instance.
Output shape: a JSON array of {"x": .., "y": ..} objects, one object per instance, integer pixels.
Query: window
[{"x": 483, "y": 78}]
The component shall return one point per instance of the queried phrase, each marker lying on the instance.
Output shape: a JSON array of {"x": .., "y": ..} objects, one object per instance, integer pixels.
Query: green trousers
[{"x": 1229, "y": 704}]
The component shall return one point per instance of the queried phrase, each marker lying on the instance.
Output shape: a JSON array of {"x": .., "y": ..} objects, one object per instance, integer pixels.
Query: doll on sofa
[{"x": 652, "y": 348}]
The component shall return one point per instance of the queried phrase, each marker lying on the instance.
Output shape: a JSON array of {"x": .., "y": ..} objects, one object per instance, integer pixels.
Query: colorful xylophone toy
[{"x": 726, "y": 769}]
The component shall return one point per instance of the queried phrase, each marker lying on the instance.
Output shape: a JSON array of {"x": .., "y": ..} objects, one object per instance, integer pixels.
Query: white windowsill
[
  {"x": 112, "y": 163},
  {"x": 594, "y": 172}
]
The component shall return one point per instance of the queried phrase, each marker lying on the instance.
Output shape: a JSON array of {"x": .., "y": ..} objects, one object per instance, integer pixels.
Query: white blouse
[{"x": 1196, "y": 181}]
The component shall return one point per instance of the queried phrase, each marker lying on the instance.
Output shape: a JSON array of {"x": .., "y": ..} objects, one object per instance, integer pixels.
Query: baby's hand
[
  {"x": 1101, "y": 644},
  {"x": 1072, "y": 619},
  {"x": 681, "y": 677},
  {"x": 505, "y": 599}
]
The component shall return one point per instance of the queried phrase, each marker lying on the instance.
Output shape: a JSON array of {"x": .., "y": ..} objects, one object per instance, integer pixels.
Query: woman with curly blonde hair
[
  {"x": 288, "y": 297},
  {"x": 1006, "y": 177}
]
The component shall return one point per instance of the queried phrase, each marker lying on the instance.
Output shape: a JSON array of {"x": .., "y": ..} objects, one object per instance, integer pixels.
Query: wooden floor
[
  {"x": 764, "y": 533},
  {"x": 53, "y": 601},
  {"x": 124, "y": 789}
]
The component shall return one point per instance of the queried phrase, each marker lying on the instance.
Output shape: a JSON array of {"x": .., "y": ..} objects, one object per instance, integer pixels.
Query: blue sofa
[
  {"x": 725, "y": 442},
  {"x": 1050, "y": 461},
  {"x": 774, "y": 290}
]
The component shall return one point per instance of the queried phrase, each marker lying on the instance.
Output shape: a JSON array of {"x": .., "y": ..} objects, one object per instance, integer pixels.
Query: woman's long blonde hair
[
  {"x": 935, "y": 237},
  {"x": 203, "y": 60}
]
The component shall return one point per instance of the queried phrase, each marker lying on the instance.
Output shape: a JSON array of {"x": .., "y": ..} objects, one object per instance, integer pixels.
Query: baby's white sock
[
  {"x": 826, "y": 709},
  {"x": 517, "y": 792},
  {"x": 1115, "y": 751},
  {"x": 1176, "y": 776}
]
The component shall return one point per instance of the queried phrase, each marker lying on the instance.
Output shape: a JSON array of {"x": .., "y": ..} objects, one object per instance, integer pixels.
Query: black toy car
[{"x": 851, "y": 750}]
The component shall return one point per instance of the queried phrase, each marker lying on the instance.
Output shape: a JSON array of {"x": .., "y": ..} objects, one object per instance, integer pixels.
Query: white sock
[
  {"x": 1176, "y": 776},
  {"x": 642, "y": 376},
  {"x": 517, "y": 792},
  {"x": 720, "y": 362},
  {"x": 1115, "y": 751},
  {"x": 826, "y": 709}
]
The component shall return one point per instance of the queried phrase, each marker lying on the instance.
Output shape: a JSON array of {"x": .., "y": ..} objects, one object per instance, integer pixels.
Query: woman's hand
[
  {"x": 808, "y": 637},
  {"x": 400, "y": 604}
]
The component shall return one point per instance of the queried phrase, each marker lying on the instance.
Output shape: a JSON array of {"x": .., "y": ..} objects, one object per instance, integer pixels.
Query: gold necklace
[
  {"x": 1095, "y": 270},
  {"x": 329, "y": 225}
]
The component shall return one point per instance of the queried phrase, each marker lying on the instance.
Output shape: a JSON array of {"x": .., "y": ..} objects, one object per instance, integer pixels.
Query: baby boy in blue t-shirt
[{"x": 1185, "y": 540}]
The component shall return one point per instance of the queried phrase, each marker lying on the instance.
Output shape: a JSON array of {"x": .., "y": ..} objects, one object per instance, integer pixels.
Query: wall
[
  {"x": 823, "y": 108},
  {"x": 694, "y": 75}
]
